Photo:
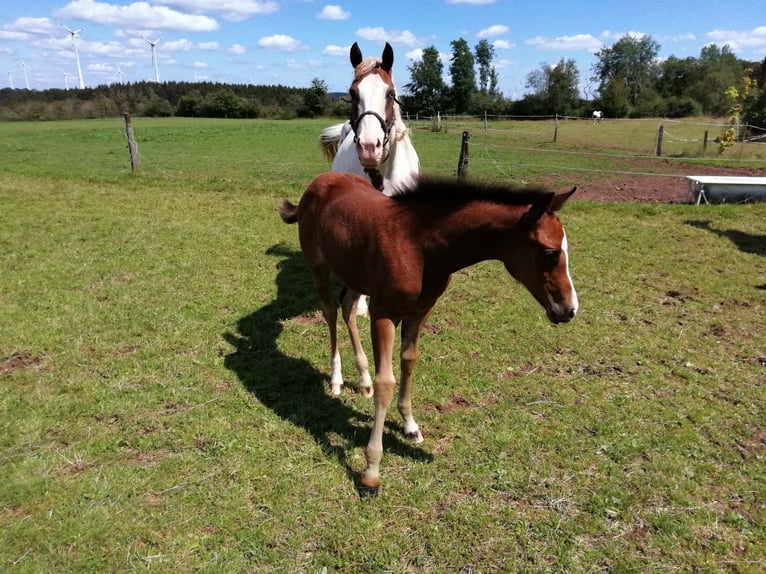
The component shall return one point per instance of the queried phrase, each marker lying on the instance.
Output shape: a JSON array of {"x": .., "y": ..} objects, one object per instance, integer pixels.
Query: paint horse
[
  {"x": 598, "y": 115},
  {"x": 403, "y": 250},
  {"x": 374, "y": 142}
]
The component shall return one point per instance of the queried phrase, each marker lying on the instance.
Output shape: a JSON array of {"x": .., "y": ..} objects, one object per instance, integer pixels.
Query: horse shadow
[
  {"x": 745, "y": 242},
  {"x": 290, "y": 386}
]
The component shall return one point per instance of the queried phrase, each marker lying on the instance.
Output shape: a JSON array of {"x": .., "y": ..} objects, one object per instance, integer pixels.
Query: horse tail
[
  {"x": 329, "y": 141},
  {"x": 288, "y": 212}
]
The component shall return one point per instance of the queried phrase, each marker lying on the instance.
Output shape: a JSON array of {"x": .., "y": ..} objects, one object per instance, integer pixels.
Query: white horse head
[{"x": 375, "y": 141}]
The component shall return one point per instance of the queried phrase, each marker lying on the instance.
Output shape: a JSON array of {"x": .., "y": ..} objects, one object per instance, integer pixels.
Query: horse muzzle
[{"x": 561, "y": 315}]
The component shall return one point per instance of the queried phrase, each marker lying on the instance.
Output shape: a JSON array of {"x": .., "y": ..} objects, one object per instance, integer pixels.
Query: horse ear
[
  {"x": 540, "y": 207},
  {"x": 388, "y": 58},
  {"x": 355, "y": 55},
  {"x": 559, "y": 200}
]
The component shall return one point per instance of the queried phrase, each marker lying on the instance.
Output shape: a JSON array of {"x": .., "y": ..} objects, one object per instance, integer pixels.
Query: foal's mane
[{"x": 441, "y": 189}]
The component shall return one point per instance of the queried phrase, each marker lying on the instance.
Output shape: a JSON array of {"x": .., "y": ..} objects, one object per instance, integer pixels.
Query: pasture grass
[{"x": 164, "y": 372}]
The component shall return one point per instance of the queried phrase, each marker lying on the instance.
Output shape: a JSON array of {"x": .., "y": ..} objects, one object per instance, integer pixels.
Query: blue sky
[{"x": 290, "y": 42}]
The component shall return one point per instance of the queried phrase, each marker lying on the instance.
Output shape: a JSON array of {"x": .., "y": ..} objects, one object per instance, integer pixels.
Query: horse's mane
[
  {"x": 439, "y": 189},
  {"x": 366, "y": 66}
]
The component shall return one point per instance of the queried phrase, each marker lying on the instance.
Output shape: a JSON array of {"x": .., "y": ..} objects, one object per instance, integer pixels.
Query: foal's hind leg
[
  {"x": 411, "y": 328},
  {"x": 350, "y": 308},
  {"x": 321, "y": 277}
]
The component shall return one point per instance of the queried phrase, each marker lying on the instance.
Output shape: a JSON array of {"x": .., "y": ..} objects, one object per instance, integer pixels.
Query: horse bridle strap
[{"x": 385, "y": 126}]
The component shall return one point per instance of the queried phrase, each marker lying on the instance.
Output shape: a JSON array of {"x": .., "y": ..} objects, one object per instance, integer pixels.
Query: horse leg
[
  {"x": 411, "y": 328},
  {"x": 350, "y": 309},
  {"x": 322, "y": 285},
  {"x": 383, "y": 332}
]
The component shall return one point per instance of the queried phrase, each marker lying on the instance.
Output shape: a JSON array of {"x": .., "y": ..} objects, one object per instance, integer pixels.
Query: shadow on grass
[
  {"x": 745, "y": 242},
  {"x": 290, "y": 386}
]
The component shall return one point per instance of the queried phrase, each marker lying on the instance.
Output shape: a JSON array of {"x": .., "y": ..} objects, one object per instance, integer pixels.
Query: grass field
[{"x": 164, "y": 372}]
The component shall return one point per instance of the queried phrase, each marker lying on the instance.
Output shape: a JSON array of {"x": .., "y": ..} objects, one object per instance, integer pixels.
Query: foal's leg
[
  {"x": 411, "y": 328},
  {"x": 383, "y": 332},
  {"x": 350, "y": 310},
  {"x": 322, "y": 285}
]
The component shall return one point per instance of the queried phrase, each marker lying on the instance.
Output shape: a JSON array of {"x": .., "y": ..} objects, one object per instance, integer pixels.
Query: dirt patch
[
  {"x": 668, "y": 187},
  {"x": 18, "y": 361}
]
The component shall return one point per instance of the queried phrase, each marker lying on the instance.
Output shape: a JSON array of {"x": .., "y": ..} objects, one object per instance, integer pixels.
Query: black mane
[{"x": 439, "y": 189}]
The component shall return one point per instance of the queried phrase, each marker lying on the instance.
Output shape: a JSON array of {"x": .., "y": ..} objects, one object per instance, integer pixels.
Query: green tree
[
  {"x": 485, "y": 53},
  {"x": 717, "y": 69},
  {"x": 426, "y": 87},
  {"x": 630, "y": 61},
  {"x": 463, "y": 76},
  {"x": 315, "y": 100},
  {"x": 555, "y": 89}
]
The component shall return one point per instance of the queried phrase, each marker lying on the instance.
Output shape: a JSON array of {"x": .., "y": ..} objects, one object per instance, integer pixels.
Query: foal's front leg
[{"x": 383, "y": 333}]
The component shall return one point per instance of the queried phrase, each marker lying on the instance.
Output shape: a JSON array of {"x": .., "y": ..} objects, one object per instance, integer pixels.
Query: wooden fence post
[
  {"x": 132, "y": 146},
  {"x": 462, "y": 164},
  {"x": 556, "y": 129},
  {"x": 704, "y": 142},
  {"x": 660, "y": 131}
]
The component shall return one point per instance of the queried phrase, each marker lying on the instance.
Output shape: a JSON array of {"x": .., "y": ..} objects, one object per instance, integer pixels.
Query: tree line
[
  {"x": 152, "y": 99},
  {"x": 627, "y": 80}
]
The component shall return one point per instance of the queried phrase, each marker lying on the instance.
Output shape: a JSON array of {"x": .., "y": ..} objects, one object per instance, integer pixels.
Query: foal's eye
[
  {"x": 552, "y": 257},
  {"x": 390, "y": 94}
]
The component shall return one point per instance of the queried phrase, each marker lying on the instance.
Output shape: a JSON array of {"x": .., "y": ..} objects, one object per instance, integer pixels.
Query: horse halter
[{"x": 385, "y": 126}]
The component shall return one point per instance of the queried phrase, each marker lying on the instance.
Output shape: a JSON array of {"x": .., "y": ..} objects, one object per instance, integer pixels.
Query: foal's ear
[
  {"x": 388, "y": 58},
  {"x": 540, "y": 207},
  {"x": 559, "y": 200},
  {"x": 355, "y": 55}
]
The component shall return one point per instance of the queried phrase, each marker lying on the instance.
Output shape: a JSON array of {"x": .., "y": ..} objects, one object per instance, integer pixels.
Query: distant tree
[
  {"x": 485, "y": 53},
  {"x": 426, "y": 88},
  {"x": 630, "y": 61},
  {"x": 315, "y": 100},
  {"x": 555, "y": 89},
  {"x": 717, "y": 69},
  {"x": 463, "y": 76}
]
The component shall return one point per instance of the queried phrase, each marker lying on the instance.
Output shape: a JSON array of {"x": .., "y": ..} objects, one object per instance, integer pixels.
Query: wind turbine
[
  {"x": 73, "y": 34},
  {"x": 154, "y": 57},
  {"x": 66, "y": 81},
  {"x": 10, "y": 79},
  {"x": 119, "y": 73},
  {"x": 26, "y": 77}
]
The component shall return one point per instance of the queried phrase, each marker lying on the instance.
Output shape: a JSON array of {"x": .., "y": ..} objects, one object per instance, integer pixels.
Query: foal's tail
[{"x": 288, "y": 212}]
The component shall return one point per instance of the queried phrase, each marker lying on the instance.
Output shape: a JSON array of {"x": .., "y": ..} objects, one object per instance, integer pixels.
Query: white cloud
[
  {"x": 232, "y": 10},
  {"x": 25, "y": 26},
  {"x": 141, "y": 14},
  {"x": 237, "y": 49},
  {"x": 333, "y": 50},
  {"x": 199, "y": 65},
  {"x": 567, "y": 43},
  {"x": 182, "y": 45},
  {"x": 503, "y": 44},
  {"x": 281, "y": 42},
  {"x": 616, "y": 36},
  {"x": 333, "y": 12},
  {"x": 739, "y": 40},
  {"x": 208, "y": 46},
  {"x": 496, "y": 30},
  {"x": 379, "y": 34}
]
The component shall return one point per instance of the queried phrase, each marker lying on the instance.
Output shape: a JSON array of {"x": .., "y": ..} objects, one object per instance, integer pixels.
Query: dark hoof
[{"x": 368, "y": 492}]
